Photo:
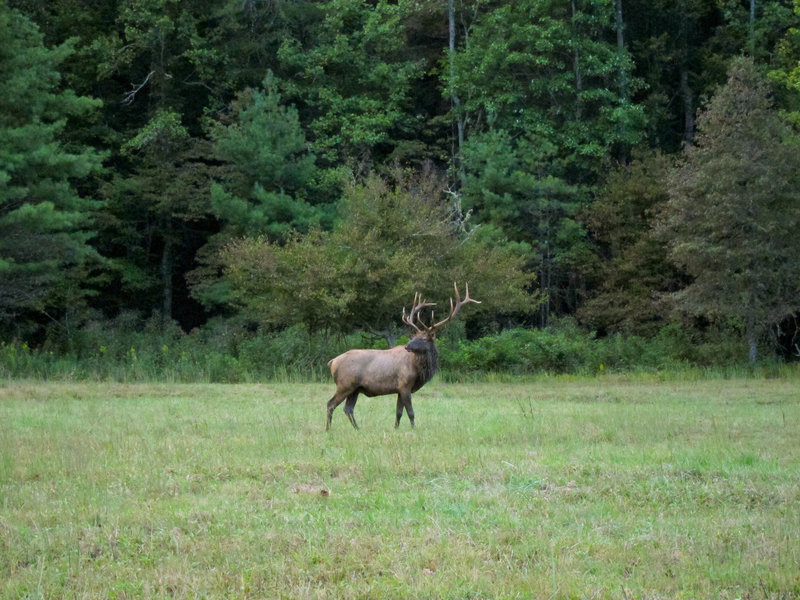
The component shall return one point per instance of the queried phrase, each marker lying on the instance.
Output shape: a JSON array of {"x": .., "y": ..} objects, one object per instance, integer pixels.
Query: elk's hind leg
[
  {"x": 332, "y": 404},
  {"x": 349, "y": 406}
]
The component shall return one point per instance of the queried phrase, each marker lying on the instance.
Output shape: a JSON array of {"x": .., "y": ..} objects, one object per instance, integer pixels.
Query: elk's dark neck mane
[{"x": 428, "y": 361}]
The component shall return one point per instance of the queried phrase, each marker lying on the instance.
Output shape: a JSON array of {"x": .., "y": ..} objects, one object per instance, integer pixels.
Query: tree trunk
[
  {"x": 688, "y": 107},
  {"x": 576, "y": 67},
  {"x": 751, "y": 330},
  {"x": 752, "y": 353},
  {"x": 456, "y": 101},
  {"x": 545, "y": 281},
  {"x": 623, "y": 75},
  {"x": 167, "y": 261}
]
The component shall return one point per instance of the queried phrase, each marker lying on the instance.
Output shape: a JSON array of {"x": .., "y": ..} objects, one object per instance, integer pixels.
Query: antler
[
  {"x": 459, "y": 303},
  {"x": 419, "y": 303}
]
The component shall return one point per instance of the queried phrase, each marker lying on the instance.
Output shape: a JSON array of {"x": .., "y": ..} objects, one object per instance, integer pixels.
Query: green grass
[{"x": 560, "y": 488}]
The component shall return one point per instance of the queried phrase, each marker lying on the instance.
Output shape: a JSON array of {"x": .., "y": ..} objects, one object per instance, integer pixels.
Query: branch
[{"x": 129, "y": 96}]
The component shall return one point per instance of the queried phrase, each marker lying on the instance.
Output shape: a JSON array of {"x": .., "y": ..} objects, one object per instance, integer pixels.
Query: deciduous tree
[
  {"x": 540, "y": 81},
  {"x": 346, "y": 67},
  {"x": 392, "y": 241}
]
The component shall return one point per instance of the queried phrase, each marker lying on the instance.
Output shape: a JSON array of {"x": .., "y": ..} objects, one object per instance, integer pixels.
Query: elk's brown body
[{"x": 401, "y": 370}]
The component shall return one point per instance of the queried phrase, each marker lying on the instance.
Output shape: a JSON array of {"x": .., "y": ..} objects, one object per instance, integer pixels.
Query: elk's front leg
[
  {"x": 409, "y": 409},
  {"x": 404, "y": 401},
  {"x": 399, "y": 410}
]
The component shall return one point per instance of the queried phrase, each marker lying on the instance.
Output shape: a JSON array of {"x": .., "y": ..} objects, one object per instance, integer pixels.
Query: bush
[
  {"x": 130, "y": 348},
  {"x": 516, "y": 351},
  {"x": 565, "y": 348}
]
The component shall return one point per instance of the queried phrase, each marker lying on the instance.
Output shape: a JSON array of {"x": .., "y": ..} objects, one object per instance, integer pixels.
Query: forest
[{"x": 256, "y": 182}]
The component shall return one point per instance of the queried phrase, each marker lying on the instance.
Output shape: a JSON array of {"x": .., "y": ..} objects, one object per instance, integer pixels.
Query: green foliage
[
  {"x": 517, "y": 351},
  {"x": 153, "y": 211},
  {"x": 270, "y": 166},
  {"x": 350, "y": 73},
  {"x": 45, "y": 222},
  {"x": 390, "y": 243},
  {"x": 130, "y": 348},
  {"x": 231, "y": 118},
  {"x": 537, "y": 74},
  {"x": 756, "y": 35},
  {"x": 268, "y": 187},
  {"x": 672, "y": 43},
  {"x": 786, "y": 71},
  {"x": 161, "y": 69},
  {"x": 734, "y": 210},
  {"x": 565, "y": 348},
  {"x": 633, "y": 272},
  {"x": 543, "y": 69},
  {"x": 164, "y": 129},
  {"x": 162, "y": 53}
]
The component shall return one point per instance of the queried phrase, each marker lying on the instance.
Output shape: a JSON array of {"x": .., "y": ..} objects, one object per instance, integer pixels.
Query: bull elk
[{"x": 401, "y": 370}]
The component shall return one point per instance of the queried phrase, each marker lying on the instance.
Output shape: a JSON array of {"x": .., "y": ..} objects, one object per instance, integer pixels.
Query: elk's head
[{"x": 426, "y": 332}]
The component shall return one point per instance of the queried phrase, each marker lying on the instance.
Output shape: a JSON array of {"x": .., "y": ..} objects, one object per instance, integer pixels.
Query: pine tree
[
  {"x": 270, "y": 167},
  {"x": 45, "y": 224},
  {"x": 264, "y": 187},
  {"x": 734, "y": 210}
]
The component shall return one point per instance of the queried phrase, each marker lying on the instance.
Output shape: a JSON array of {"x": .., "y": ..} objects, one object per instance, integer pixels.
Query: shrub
[
  {"x": 519, "y": 351},
  {"x": 130, "y": 348},
  {"x": 565, "y": 348}
]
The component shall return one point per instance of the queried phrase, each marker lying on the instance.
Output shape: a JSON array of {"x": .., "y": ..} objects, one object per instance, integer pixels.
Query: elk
[{"x": 401, "y": 370}]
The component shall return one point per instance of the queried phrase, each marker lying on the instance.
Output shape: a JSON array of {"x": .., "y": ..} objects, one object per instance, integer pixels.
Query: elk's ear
[{"x": 418, "y": 344}]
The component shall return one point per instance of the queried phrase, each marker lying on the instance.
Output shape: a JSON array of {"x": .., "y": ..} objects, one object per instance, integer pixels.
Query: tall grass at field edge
[{"x": 224, "y": 353}]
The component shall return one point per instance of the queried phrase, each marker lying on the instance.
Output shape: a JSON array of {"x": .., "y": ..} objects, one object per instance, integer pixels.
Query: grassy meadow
[{"x": 606, "y": 487}]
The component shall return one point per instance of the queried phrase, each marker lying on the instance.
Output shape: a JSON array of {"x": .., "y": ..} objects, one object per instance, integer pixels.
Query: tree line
[{"x": 629, "y": 165}]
